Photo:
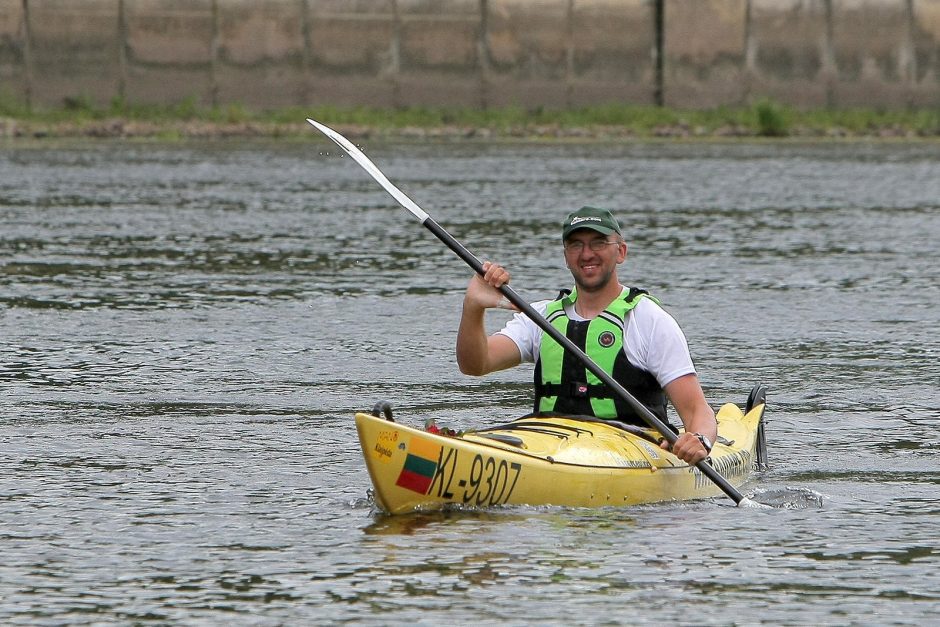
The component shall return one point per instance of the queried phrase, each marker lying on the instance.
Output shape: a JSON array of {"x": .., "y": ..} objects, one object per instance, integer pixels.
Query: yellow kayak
[{"x": 549, "y": 460}]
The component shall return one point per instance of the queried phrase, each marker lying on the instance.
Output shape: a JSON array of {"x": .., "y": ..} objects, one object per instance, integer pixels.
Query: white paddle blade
[{"x": 372, "y": 169}]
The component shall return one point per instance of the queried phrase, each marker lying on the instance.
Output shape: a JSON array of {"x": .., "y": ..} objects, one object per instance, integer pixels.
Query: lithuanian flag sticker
[{"x": 420, "y": 465}]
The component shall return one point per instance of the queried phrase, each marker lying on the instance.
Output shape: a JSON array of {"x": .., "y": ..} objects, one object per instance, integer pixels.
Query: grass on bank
[{"x": 764, "y": 118}]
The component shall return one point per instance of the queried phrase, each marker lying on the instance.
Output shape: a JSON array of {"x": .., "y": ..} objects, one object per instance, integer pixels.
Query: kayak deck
[{"x": 548, "y": 460}]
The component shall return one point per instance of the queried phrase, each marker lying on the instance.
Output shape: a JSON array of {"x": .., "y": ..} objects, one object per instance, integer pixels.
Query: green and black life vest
[{"x": 564, "y": 386}]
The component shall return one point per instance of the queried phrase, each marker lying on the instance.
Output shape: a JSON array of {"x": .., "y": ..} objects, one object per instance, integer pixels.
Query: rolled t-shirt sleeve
[
  {"x": 526, "y": 334},
  {"x": 656, "y": 343}
]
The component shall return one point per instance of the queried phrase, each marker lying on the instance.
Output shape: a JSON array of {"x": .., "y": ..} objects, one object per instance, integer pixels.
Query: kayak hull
[{"x": 546, "y": 460}]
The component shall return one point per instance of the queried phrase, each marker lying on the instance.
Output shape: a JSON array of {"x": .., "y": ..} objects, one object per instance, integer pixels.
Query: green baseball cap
[{"x": 600, "y": 220}]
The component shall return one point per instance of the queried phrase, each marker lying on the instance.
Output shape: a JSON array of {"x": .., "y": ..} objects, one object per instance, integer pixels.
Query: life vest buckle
[{"x": 579, "y": 389}]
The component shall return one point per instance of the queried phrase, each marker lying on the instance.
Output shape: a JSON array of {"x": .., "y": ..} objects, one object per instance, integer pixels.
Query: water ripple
[{"x": 188, "y": 330}]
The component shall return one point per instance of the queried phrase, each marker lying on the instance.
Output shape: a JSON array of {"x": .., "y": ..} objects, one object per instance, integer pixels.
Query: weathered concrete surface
[
  {"x": 873, "y": 50},
  {"x": 926, "y": 90},
  {"x": 169, "y": 51},
  {"x": 473, "y": 53},
  {"x": 927, "y": 42},
  {"x": 562, "y": 53},
  {"x": 353, "y": 60},
  {"x": 613, "y": 52},
  {"x": 13, "y": 52},
  {"x": 261, "y": 54},
  {"x": 705, "y": 52},
  {"x": 530, "y": 49},
  {"x": 74, "y": 50},
  {"x": 808, "y": 53},
  {"x": 789, "y": 54},
  {"x": 440, "y": 53}
]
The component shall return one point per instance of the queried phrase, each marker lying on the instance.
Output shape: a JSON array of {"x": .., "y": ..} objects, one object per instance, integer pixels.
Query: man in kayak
[{"x": 624, "y": 330}]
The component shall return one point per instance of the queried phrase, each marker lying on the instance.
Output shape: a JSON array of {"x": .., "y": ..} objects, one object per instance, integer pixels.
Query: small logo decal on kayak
[
  {"x": 385, "y": 445},
  {"x": 606, "y": 339},
  {"x": 653, "y": 453},
  {"x": 420, "y": 465},
  {"x": 382, "y": 453}
]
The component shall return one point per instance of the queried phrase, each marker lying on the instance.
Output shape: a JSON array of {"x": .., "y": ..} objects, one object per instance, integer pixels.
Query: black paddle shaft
[{"x": 648, "y": 417}]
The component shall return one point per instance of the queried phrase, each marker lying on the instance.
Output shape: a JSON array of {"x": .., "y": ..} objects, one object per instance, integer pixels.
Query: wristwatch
[{"x": 705, "y": 442}]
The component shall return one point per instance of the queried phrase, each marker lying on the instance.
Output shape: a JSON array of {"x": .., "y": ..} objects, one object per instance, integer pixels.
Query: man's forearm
[{"x": 472, "y": 346}]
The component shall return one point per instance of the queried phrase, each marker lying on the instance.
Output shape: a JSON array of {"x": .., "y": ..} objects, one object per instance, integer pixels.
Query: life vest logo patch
[{"x": 606, "y": 339}]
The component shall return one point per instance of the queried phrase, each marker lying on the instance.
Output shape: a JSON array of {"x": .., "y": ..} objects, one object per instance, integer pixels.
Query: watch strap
[{"x": 705, "y": 442}]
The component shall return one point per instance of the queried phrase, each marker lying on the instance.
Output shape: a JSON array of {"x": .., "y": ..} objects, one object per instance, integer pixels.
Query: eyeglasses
[{"x": 597, "y": 245}]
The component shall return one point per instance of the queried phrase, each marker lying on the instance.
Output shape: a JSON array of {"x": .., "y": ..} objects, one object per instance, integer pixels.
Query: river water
[{"x": 187, "y": 329}]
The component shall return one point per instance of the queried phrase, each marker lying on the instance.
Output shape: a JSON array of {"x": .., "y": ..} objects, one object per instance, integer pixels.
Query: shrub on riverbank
[{"x": 80, "y": 117}]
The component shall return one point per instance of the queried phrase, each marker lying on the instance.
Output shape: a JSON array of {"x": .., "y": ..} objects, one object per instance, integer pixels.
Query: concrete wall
[
  {"x": 476, "y": 53},
  {"x": 563, "y": 53},
  {"x": 704, "y": 52},
  {"x": 12, "y": 61},
  {"x": 170, "y": 49}
]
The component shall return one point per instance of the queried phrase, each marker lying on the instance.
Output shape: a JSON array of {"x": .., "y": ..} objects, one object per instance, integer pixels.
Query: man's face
[{"x": 593, "y": 258}]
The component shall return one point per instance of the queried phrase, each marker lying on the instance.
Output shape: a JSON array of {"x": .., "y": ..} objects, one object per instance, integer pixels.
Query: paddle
[{"x": 429, "y": 223}]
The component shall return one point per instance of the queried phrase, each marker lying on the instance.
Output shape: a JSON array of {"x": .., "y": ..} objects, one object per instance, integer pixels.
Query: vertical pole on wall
[
  {"x": 214, "y": 58},
  {"x": 659, "y": 52},
  {"x": 569, "y": 57},
  {"x": 306, "y": 53},
  {"x": 395, "y": 54},
  {"x": 908, "y": 61},
  {"x": 122, "y": 52},
  {"x": 483, "y": 53},
  {"x": 27, "y": 58},
  {"x": 829, "y": 57},
  {"x": 750, "y": 54}
]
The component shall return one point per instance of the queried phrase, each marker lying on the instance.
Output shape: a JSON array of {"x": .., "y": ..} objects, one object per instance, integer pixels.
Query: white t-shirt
[{"x": 653, "y": 340}]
